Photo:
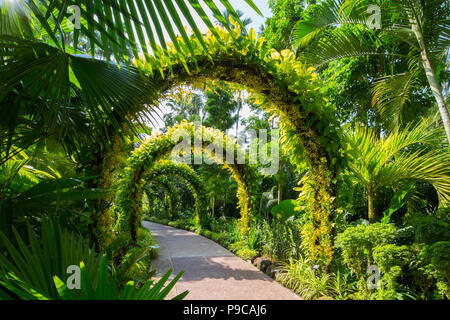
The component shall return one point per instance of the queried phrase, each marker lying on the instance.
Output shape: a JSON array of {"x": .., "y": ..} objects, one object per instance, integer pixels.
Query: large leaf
[
  {"x": 36, "y": 260},
  {"x": 285, "y": 209}
]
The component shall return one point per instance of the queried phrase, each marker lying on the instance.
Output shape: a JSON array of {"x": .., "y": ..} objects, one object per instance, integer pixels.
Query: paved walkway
[{"x": 210, "y": 271}]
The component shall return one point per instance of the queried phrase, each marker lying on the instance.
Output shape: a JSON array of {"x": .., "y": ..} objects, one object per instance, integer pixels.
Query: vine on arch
[
  {"x": 144, "y": 158},
  {"x": 185, "y": 173},
  {"x": 285, "y": 88},
  {"x": 170, "y": 190}
]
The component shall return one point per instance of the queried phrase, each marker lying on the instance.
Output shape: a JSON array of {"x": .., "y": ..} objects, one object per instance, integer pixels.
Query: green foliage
[
  {"x": 282, "y": 241},
  {"x": 358, "y": 242},
  {"x": 341, "y": 29},
  {"x": 310, "y": 283},
  {"x": 284, "y": 210},
  {"x": 438, "y": 255},
  {"x": 220, "y": 106},
  {"x": 35, "y": 260},
  {"x": 246, "y": 253},
  {"x": 36, "y": 268},
  {"x": 107, "y": 288},
  {"x": 278, "y": 28},
  {"x": 136, "y": 264},
  {"x": 390, "y": 259},
  {"x": 429, "y": 229}
]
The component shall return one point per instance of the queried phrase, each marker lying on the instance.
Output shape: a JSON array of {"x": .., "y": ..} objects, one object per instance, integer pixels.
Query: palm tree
[
  {"x": 421, "y": 28},
  {"x": 402, "y": 157}
]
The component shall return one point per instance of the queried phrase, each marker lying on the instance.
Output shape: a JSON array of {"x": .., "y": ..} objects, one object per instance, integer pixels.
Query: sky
[
  {"x": 249, "y": 12},
  {"x": 245, "y": 8},
  {"x": 257, "y": 21}
]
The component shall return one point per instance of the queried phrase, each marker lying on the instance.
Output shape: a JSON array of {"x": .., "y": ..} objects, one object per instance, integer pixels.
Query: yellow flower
[{"x": 275, "y": 55}]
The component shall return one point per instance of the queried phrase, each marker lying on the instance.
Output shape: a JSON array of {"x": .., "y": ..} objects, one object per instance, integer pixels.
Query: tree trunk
[
  {"x": 371, "y": 205},
  {"x": 110, "y": 160},
  {"x": 213, "y": 205},
  {"x": 238, "y": 114},
  {"x": 280, "y": 182},
  {"x": 436, "y": 87}
]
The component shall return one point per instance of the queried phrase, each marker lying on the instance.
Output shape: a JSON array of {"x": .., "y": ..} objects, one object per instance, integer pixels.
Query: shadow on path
[{"x": 210, "y": 271}]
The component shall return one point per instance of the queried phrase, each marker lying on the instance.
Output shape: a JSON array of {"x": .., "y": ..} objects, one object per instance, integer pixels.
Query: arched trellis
[
  {"x": 168, "y": 187},
  {"x": 164, "y": 169},
  {"x": 158, "y": 147},
  {"x": 285, "y": 88}
]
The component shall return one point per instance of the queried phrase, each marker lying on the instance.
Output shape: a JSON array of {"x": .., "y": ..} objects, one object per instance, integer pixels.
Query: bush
[
  {"x": 391, "y": 258},
  {"x": 438, "y": 255},
  {"x": 302, "y": 277},
  {"x": 429, "y": 229},
  {"x": 358, "y": 242},
  {"x": 246, "y": 253}
]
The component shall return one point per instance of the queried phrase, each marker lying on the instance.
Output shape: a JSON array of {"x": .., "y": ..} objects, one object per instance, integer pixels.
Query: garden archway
[
  {"x": 168, "y": 188},
  {"x": 158, "y": 147},
  {"x": 286, "y": 89},
  {"x": 164, "y": 169}
]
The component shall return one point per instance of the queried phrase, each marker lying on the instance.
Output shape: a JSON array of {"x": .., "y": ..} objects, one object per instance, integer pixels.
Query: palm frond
[
  {"x": 391, "y": 94},
  {"x": 122, "y": 24},
  {"x": 412, "y": 154}
]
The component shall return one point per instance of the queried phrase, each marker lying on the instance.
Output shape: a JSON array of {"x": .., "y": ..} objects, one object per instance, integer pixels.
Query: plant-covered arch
[
  {"x": 283, "y": 87},
  {"x": 158, "y": 147},
  {"x": 164, "y": 169},
  {"x": 287, "y": 89},
  {"x": 169, "y": 189}
]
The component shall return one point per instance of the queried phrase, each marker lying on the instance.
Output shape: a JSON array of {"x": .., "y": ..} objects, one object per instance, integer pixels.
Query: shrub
[
  {"x": 246, "y": 253},
  {"x": 301, "y": 277},
  {"x": 357, "y": 244},
  {"x": 438, "y": 255},
  {"x": 391, "y": 258},
  {"x": 429, "y": 229}
]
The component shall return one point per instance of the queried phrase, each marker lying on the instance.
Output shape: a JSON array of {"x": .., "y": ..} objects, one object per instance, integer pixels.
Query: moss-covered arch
[
  {"x": 158, "y": 147},
  {"x": 164, "y": 169}
]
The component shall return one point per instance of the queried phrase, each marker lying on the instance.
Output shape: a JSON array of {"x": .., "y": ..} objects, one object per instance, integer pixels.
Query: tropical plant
[
  {"x": 36, "y": 267},
  {"x": 414, "y": 31},
  {"x": 43, "y": 67},
  {"x": 104, "y": 288},
  {"x": 396, "y": 160},
  {"x": 301, "y": 277},
  {"x": 36, "y": 260}
]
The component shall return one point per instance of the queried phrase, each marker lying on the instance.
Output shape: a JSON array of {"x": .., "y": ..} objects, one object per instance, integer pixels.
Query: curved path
[{"x": 210, "y": 271}]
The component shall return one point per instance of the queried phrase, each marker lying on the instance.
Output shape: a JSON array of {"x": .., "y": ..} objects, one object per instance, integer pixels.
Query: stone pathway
[{"x": 210, "y": 271}]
